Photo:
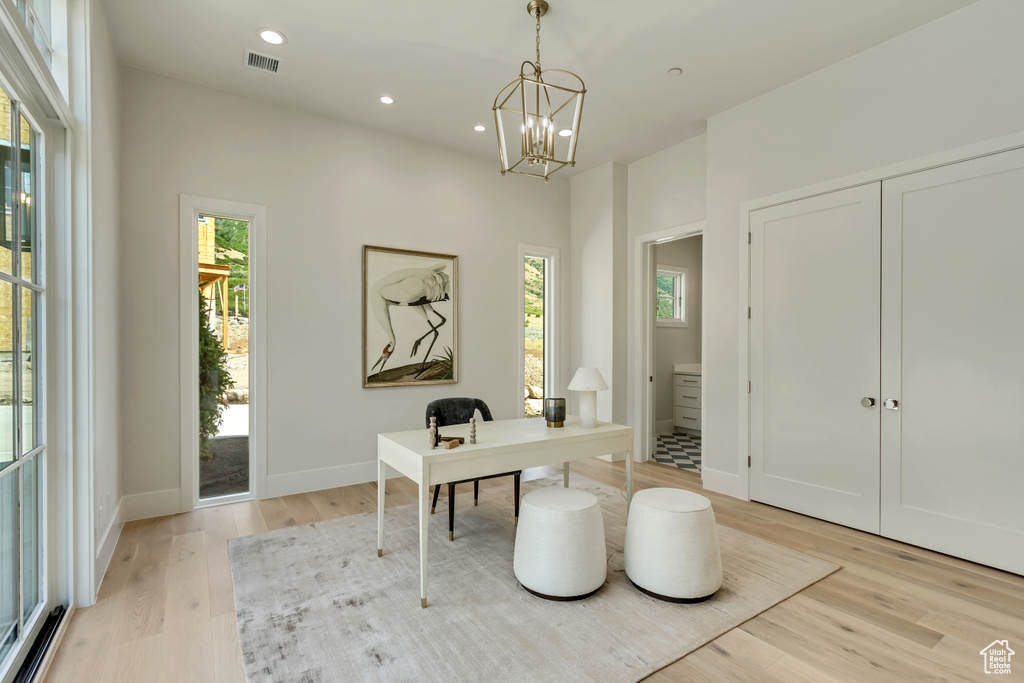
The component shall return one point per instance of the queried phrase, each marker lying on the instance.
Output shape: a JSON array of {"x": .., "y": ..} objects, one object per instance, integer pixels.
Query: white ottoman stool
[
  {"x": 671, "y": 550},
  {"x": 560, "y": 552}
]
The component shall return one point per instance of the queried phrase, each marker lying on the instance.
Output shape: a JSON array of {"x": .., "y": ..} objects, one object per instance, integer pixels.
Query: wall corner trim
[
  {"x": 725, "y": 483},
  {"x": 107, "y": 544},
  {"x": 151, "y": 504},
  {"x": 324, "y": 478}
]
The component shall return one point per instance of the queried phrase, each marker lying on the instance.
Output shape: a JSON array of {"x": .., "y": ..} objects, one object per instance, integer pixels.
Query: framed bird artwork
[{"x": 410, "y": 317}]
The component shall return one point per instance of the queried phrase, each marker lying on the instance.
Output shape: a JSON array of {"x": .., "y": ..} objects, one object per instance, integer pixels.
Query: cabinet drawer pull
[{"x": 688, "y": 418}]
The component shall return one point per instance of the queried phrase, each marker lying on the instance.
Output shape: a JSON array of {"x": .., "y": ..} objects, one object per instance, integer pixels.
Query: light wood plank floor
[{"x": 893, "y": 613}]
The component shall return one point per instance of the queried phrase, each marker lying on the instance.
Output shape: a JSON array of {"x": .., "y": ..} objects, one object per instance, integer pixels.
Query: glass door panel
[
  {"x": 30, "y": 546},
  {"x": 7, "y": 164},
  {"x": 7, "y": 375},
  {"x": 9, "y": 561},
  {"x": 29, "y": 427},
  {"x": 27, "y": 157}
]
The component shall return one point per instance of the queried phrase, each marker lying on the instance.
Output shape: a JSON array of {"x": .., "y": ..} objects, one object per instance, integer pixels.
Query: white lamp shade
[{"x": 587, "y": 379}]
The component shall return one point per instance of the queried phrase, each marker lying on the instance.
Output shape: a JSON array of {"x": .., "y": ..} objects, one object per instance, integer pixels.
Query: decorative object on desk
[
  {"x": 472, "y": 430},
  {"x": 554, "y": 412},
  {"x": 451, "y": 443},
  {"x": 295, "y": 586},
  {"x": 453, "y": 411},
  {"x": 433, "y": 432},
  {"x": 410, "y": 310},
  {"x": 588, "y": 381}
]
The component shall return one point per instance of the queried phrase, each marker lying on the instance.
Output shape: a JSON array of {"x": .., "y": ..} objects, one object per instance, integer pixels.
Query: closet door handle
[
  {"x": 892, "y": 404},
  {"x": 867, "y": 402}
]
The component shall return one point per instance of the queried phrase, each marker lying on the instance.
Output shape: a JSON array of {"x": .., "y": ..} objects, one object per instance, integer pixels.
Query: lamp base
[
  {"x": 588, "y": 409},
  {"x": 556, "y": 424}
]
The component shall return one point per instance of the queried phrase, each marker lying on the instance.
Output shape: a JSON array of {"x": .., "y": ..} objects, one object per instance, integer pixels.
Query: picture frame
[{"x": 410, "y": 317}]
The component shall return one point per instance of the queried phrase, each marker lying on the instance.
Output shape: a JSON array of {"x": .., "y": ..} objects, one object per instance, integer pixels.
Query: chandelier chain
[{"x": 538, "y": 38}]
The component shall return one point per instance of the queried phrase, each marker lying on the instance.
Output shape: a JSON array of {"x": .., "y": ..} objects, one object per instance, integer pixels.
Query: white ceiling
[{"x": 445, "y": 62}]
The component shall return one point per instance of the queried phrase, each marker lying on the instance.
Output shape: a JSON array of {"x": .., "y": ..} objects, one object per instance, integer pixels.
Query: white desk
[{"x": 502, "y": 446}]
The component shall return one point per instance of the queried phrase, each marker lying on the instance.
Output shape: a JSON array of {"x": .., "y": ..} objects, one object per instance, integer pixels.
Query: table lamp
[{"x": 588, "y": 382}]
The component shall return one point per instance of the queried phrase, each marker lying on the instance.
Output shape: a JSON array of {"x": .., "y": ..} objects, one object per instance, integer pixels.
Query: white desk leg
[
  {"x": 629, "y": 479},
  {"x": 381, "y": 478},
  {"x": 424, "y": 525},
  {"x": 565, "y": 475}
]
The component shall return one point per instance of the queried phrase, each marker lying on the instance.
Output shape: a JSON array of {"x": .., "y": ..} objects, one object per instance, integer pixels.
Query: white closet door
[
  {"x": 953, "y": 356},
  {"x": 815, "y": 274}
]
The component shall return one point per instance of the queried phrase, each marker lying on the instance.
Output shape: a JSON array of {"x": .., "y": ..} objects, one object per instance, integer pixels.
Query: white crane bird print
[{"x": 409, "y": 317}]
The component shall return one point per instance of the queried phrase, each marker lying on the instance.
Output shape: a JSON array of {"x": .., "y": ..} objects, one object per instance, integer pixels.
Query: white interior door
[
  {"x": 814, "y": 353},
  {"x": 953, "y": 353}
]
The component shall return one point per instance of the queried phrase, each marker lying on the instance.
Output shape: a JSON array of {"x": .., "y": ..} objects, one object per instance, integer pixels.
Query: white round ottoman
[
  {"x": 671, "y": 550},
  {"x": 560, "y": 552}
]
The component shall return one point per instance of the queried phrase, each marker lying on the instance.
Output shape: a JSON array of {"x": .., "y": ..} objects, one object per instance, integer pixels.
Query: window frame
[
  {"x": 552, "y": 338},
  {"x": 679, "y": 275}
]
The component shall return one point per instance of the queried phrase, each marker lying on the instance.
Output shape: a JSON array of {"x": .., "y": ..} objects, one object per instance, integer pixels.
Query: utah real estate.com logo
[{"x": 997, "y": 657}]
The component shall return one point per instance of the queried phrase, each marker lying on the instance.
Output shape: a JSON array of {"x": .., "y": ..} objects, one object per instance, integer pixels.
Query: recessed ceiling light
[
  {"x": 387, "y": 100},
  {"x": 271, "y": 36},
  {"x": 675, "y": 71},
  {"x": 479, "y": 129},
  {"x": 565, "y": 132}
]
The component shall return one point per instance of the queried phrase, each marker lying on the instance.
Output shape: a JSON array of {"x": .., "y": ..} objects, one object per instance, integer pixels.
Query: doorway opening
[
  {"x": 645, "y": 379},
  {"x": 676, "y": 346},
  {"x": 223, "y": 338},
  {"x": 222, "y": 328}
]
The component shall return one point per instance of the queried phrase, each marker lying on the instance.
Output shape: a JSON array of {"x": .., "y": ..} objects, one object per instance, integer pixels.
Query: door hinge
[
  {"x": 748, "y": 386},
  {"x": 748, "y": 461},
  {"x": 748, "y": 312},
  {"x": 748, "y": 238}
]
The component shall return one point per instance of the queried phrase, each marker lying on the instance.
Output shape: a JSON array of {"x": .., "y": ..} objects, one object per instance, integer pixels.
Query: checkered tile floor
[{"x": 681, "y": 450}]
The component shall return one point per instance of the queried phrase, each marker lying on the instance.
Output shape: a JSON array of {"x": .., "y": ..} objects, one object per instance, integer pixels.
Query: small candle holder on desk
[{"x": 554, "y": 412}]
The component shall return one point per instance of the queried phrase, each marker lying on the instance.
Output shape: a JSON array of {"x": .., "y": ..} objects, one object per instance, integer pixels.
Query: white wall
[
  {"x": 598, "y": 301},
  {"x": 329, "y": 188},
  {"x": 104, "y": 130},
  {"x": 677, "y": 344},
  {"x": 667, "y": 190},
  {"x": 949, "y": 83},
  {"x": 93, "y": 279}
]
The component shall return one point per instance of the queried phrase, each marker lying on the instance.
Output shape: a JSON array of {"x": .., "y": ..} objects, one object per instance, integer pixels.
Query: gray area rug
[{"x": 315, "y": 603}]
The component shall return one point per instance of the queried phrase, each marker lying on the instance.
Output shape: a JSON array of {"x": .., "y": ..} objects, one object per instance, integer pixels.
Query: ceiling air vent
[{"x": 262, "y": 62}]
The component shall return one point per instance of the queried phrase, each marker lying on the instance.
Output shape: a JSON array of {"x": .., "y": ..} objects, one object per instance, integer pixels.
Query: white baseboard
[
  {"x": 324, "y": 478},
  {"x": 613, "y": 457},
  {"x": 664, "y": 427},
  {"x": 152, "y": 504},
  {"x": 721, "y": 482},
  {"x": 105, "y": 548}
]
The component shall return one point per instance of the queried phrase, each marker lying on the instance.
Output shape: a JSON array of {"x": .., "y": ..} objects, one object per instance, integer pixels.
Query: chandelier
[{"x": 532, "y": 104}]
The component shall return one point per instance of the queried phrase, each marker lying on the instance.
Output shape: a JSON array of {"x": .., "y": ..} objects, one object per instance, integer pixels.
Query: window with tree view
[
  {"x": 670, "y": 295},
  {"x": 533, "y": 281}
]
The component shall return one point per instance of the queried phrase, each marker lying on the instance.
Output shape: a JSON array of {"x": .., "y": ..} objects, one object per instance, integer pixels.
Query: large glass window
[
  {"x": 533, "y": 358},
  {"x": 22, "y": 469}
]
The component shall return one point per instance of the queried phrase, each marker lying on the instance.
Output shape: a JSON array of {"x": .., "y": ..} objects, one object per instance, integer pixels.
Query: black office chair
[{"x": 453, "y": 411}]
